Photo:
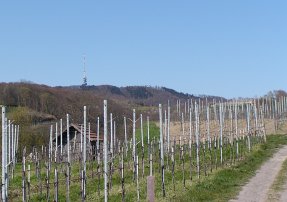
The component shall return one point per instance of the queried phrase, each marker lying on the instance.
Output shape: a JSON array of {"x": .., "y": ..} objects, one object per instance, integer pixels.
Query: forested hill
[
  {"x": 58, "y": 101},
  {"x": 35, "y": 106},
  {"x": 143, "y": 95}
]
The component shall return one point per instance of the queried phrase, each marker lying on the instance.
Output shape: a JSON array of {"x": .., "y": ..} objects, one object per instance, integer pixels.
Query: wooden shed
[{"x": 76, "y": 135}]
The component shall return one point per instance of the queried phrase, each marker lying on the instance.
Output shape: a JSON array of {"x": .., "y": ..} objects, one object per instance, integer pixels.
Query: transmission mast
[{"x": 85, "y": 80}]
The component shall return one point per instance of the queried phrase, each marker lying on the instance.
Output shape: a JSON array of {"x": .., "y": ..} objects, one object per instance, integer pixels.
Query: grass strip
[{"x": 226, "y": 183}]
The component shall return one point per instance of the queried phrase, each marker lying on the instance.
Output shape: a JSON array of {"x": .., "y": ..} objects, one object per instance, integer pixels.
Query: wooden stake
[
  {"x": 29, "y": 181},
  {"x": 161, "y": 150},
  {"x": 56, "y": 183},
  {"x": 105, "y": 151},
  {"x": 137, "y": 177},
  {"x": 173, "y": 167},
  {"x": 122, "y": 174},
  {"x": 4, "y": 156},
  {"x": 68, "y": 139},
  {"x": 68, "y": 182},
  {"x": 197, "y": 139},
  {"x": 24, "y": 196}
]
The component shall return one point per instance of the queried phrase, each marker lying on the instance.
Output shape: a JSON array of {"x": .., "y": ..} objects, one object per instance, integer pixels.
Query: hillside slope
[{"x": 35, "y": 106}]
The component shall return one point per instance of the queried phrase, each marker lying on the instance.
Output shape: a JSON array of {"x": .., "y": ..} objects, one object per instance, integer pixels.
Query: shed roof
[{"x": 77, "y": 127}]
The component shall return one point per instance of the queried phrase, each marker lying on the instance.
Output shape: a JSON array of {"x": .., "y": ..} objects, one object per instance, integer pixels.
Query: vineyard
[{"x": 160, "y": 160}]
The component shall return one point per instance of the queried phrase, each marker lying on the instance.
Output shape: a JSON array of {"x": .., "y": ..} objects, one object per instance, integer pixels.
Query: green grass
[{"x": 226, "y": 183}]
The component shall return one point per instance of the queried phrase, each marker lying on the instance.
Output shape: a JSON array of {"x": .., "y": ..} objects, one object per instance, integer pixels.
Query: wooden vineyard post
[
  {"x": 150, "y": 178},
  {"x": 105, "y": 151},
  {"x": 68, "y": 139},
  {"x": 98, "y": 155},
  {"x": 142, "y": 141},
  {"x": 150, "y": 164},
  {"x": 50, "y": 147},
  {"x": 24, "y": 196},
  {"x": 211, "y": 155},
  {"x": 173, "y": 166},
  {"x": 17, "y": 141},
  {"x": 137, "y": 177},
  {"x": 197, "y": 139},
  {"x": 182, "y": 125},
  {"x": 56, "y": 186},
  {"x": 134, "y": 143},
  {"x": 248, "y": 127},
  {"x": 12, "y": 150},
  {"x": 165, "y": 134},
  {"x": 98, "y": 138},
  {"x": 8, "y": 149},
  {"x": 183, "y": 162},
  {"x": 67, "y": 174},
  {"x": 110, "y": 171},
  {"x": 29, "y": 181},
  {"x": 111, "y": 136},
  {"x": 221, "y": 132},
  {"x": 214, "y": 137},
  {"x": 190, "y": 144},
  {"x": 236, "y": 131},
  {"x": 4, "y": 156},
  {"x": 122, "y": 173},
  {"x": 56, "y": 138},
  {"x": 148, "y": 139},
  {"x": 161, "y": 151},
  {"x": 114, "y": 136},
  {"x": 263, "y": 124},
  {"x": 204, "y": 160},
  {"x": 39, "y": 176},
  {"x": 168, "y": 127},
  {"x": 84, "y": 155},
  {"x": 89, "y": 129},
  {"x": 208, "y": 135},
  {"x": 126, "y": 140},
  {"x": 61, "y": 138},
  {"x": 47, "y": 182},
  {"x": 83, "y": 191}
]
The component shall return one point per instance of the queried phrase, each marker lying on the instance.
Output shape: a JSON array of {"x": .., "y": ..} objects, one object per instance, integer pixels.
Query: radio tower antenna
[{"x": 85, "y": 80}]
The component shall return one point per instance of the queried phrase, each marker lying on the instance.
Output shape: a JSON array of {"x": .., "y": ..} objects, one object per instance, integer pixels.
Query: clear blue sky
[{"x": 216, "y": 47}]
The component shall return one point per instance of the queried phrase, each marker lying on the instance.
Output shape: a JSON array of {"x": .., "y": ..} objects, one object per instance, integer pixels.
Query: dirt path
[
  {"x": 258, "y": 186},
  {"x": 283, "y": 196}
]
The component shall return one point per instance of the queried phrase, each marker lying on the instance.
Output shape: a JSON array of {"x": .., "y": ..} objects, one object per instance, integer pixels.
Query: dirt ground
[
  {"x": 176, "y": 129},
  {"x": 258, "y": 187}
]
